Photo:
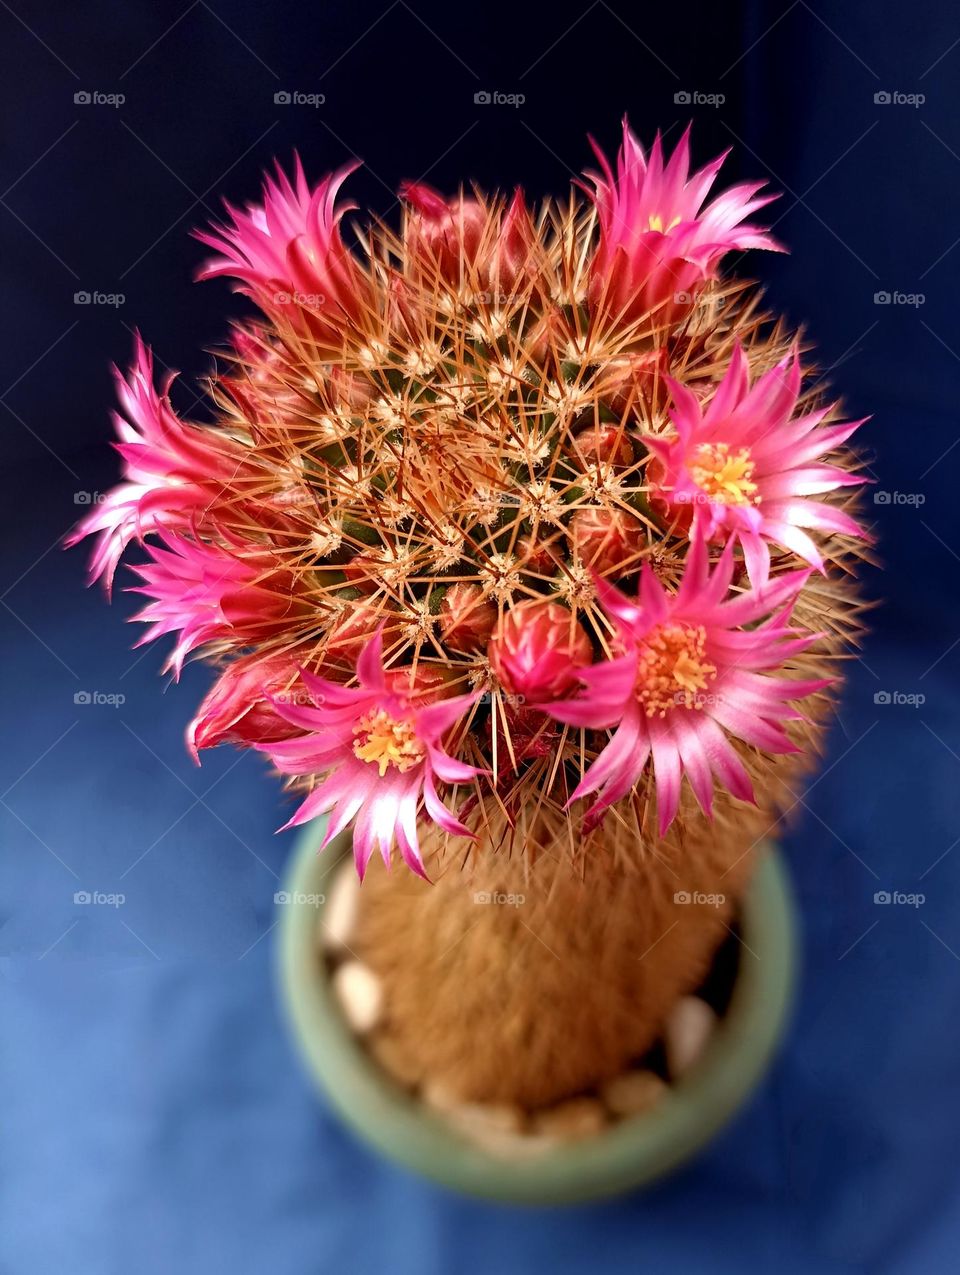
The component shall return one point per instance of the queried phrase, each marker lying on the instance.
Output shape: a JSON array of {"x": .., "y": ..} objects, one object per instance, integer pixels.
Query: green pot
[{"x": 635, "y": 1152}]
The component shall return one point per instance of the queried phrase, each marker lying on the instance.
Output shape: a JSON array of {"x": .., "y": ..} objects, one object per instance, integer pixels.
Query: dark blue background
[{"x": 152, "y": 1117}]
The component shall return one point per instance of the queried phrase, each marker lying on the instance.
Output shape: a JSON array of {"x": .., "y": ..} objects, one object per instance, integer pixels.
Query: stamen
[
  {"x": 723, "y": 475},
  {"x": 672, "y": 671},
  {"x": 387, "y": 741}
]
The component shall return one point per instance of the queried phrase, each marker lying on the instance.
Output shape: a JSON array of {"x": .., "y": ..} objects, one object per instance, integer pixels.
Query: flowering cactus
[{"x": 510, "y": 508}]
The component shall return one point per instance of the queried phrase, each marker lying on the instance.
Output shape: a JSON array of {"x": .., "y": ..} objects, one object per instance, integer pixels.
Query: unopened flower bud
[
  {"x": 351, "y": 632},
  {"x": 605, "y": 443},
  {"x": 466, "y": 618},
  {"x": 537, "y": 649},
  {"x": 607, "y": 539},
  {"x": 425, "y": 681},
  {"x": 535, "y": 556}
]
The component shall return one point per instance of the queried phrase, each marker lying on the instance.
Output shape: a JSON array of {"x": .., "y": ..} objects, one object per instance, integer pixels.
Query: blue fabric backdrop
[{"x": 152, "y": 1116}]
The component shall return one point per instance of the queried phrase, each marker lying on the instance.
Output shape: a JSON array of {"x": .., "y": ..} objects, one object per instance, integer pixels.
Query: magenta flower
[
  {"x": 380, "y": 752},
  {"x": 658, "y": 241},
  {"x": 206, "y": 592},
  {"x": 742, "y": 468},
  {"x": 289, "y": 256},
  {"x": 172, "y": 470},
  {"x": 691, "y": 674}
]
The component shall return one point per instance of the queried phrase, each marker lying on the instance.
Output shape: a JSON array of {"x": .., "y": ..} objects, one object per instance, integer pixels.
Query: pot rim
[{"x": 633, "y": 1152}]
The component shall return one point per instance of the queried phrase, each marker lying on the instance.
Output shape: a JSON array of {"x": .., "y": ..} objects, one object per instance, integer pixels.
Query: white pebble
[
  {"x": 577, "y": 1118},
  {"x": 633, "y": 1093},
  {"x": 513, "y": 1146},
  {"x": 339, "y": 917},
  {"x": 360, "y": 995},
  {"x": 437, "y": 1095},
  {"x": 688, "y": 1028},
  {"x": 482, "y": 1120}
]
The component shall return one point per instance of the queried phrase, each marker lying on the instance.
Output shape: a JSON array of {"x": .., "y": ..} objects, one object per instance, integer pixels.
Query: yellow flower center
[
  {"x": 656, "y": 223},
  {"x": 724, "y": 475},
  {"x": 672, "y": 671},
  {"x": 386, "y": 741}
]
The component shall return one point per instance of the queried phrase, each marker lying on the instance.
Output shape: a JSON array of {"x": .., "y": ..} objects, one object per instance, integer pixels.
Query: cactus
[{"x": 508, "y": 540}]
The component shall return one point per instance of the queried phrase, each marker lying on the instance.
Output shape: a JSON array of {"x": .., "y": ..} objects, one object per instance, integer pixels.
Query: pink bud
[
  {"x": 606, "y": 444},
  {"x": 537, "y": 649},
  {"x": 531, "y": 735},
  {"x": 238, "y": 710},
  {"x": 535, "y": 556},
  {"x": 427, "y": 682},
  {"x": 607, "y": 539},
  {"x": 440, "y": 231},
  {"x": 351, "y": 632},
  {"x": 466, "y": 618},
  {"x": 631, "y": 378},
  {"x": 463, "y": 241}
]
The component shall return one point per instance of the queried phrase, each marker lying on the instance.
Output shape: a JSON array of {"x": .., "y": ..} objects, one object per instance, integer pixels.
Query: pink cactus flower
[
  {"x": 207, "y": 592},
  {"x": 659, "y": 242},
  {"x": 173, "y": 470},
  {"x": 741, "y": 467},
  {"x": 380, "y": 752},
  {"x": 447, "y": 235},
  {"x": 239, "y": 707},
  {"x": 289, "y": 256},
  {"x": 691, "y": 674},
  {"x": 537, "y": 650}
]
